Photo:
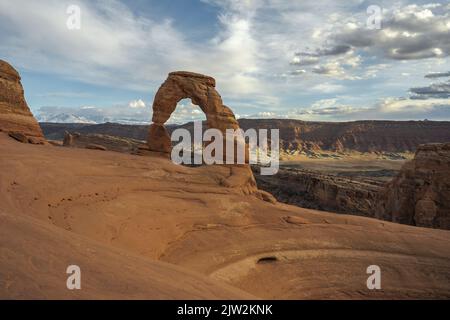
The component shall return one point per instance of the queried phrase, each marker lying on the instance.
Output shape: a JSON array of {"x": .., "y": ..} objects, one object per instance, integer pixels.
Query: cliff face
[
  {"x": 314, "y": 190},
  {"x": 15, "y": 116},
  {"x": 362, "y": 136},
  {"x": 420, "y": 194}
]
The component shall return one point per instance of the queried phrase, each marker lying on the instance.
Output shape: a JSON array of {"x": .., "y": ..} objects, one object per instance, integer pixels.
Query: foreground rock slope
[
  {"x": 149, "y": 208},
  {"x": 34, "y": 257}
]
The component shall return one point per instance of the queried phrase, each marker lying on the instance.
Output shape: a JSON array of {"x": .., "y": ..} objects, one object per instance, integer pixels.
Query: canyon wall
[
  {"x": 315, "y": 190},
  {"x": 420, "y": 194},
  {"x": 362, "y": 136}
]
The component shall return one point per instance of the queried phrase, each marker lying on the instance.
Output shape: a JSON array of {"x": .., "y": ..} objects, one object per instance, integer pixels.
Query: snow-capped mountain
[{"x": 63, "y": 118}]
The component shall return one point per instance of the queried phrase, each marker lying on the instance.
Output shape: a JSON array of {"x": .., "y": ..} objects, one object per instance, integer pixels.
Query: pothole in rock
[{"x": 267, "y": 260}]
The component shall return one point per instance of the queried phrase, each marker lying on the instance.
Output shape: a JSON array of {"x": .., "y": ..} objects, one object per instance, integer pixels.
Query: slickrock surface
[
  {"x": 15, "y": 116},
  {"x": 58, "y": 204},
  {"x": 35, "y": 256},
  {"x": 420, "y": 194},
  {"x": 201, "y": 90}
]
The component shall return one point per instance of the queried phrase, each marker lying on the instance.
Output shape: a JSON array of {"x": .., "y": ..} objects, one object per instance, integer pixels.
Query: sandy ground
[{"x": 144, "y": 227}]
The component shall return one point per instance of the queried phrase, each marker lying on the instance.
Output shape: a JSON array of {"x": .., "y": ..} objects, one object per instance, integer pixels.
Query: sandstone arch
[{"x": 201, "y": 90}]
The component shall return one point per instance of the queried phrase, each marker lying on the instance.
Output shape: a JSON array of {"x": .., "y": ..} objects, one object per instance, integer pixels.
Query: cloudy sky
[{"x": 313, "y": 60}]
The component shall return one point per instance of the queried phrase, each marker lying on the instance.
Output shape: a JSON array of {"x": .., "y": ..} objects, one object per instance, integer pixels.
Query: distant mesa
[{"x": 15, "y": 115}]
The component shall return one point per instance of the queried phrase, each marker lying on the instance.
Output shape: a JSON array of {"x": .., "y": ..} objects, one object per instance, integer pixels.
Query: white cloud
[
  {"x": 411, "y": 106},
  {"x": 264, "y": 115},
  {"x": 185, "y": 112},
  {"x": 137, "y": 104},
  {"x": 408, "y": 32},
  {"x": 387, "y": 109},
  {"x": 328, "y": 87},
  {"x": 438, "y": 75},
  {"x": 110, "y": 48},
  {"x": 116, "y": 47}
]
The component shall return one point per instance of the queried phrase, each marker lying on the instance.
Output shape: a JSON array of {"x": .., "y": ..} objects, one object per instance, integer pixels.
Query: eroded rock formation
[
  {"x": 420, "y": 194},
  {"x": 15, "y": 116},
  {"x": 102, "y": 142},
  {"x": 201, "y": 90}
]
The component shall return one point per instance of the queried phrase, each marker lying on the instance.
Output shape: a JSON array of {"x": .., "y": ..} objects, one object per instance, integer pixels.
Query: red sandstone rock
[
  {"x": 19, "y": 136},
  {"x": 15, "y": 115},
  {"x": 419, "y": 194},
  {"x": 94, "y": 146},
  {"x": 159, "y": 139},
  {"x": 101, "y": 142},
  {"x": 201, "y": 90}
]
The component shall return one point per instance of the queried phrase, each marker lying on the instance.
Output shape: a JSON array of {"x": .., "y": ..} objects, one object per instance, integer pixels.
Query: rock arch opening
[{"x": 186, "y": 111}]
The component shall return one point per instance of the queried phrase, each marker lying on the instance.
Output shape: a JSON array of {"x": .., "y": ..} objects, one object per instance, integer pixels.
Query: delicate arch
[{"x": 201, "y": 90}]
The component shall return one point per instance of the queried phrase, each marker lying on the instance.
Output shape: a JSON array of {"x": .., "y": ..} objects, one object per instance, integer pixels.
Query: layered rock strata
[{"x": 15, "y": 115}]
